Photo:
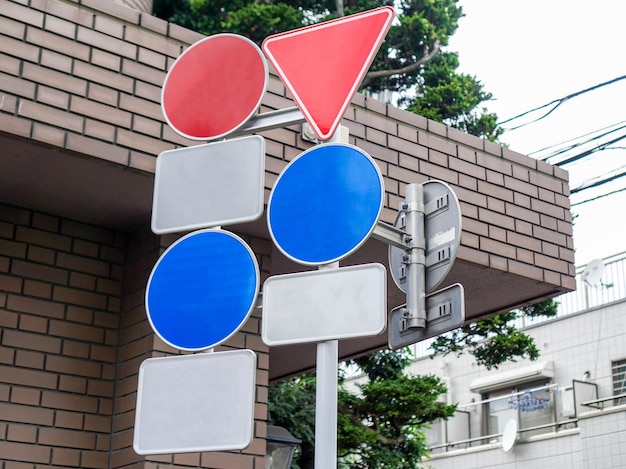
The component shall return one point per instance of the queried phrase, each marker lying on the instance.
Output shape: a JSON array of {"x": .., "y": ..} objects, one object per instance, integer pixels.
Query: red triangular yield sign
[{"x": 323, "y": 65}]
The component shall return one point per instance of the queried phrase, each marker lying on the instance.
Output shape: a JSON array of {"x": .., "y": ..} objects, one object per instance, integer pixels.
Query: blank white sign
[
  {"x": 210, "y": 185},
  {"x": 324, "y": 305},
  {"x": 192, "y": 403}
]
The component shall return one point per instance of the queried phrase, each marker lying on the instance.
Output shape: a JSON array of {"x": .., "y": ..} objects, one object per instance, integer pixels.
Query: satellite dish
[
  {"x": 509, "y": 435},
  {"x": 592, "y": 275}
]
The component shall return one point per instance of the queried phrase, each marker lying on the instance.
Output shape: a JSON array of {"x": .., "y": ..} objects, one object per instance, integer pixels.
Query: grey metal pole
[
  {"x": 416, "y": 263},
  {"x": 326, "y": 400},
  {"x": 326, "y": 389}
]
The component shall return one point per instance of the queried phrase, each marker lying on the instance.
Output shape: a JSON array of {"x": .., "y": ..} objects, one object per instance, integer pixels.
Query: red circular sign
[{"x": 214, "y": 87}]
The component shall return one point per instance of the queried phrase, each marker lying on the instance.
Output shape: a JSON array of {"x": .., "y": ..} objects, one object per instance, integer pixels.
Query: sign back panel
[{"x": 190, "y": 403}]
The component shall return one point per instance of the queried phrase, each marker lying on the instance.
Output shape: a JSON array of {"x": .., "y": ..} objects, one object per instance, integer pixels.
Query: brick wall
[
  {"x": 86, "y": 77},
  {"x": 73, "y": 332},
  {"x": 80, "y": 85},
  {"x": 60, "y": 287}
]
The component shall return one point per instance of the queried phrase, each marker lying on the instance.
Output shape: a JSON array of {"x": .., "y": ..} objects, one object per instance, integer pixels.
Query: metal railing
[
  {"x": 553, "y": 421},
  {"x": 600, "y": 403},
  {"x": 495, "y": 436},
  {"x": 610, "y": 288},
  {"x": 555, "y": 414}
]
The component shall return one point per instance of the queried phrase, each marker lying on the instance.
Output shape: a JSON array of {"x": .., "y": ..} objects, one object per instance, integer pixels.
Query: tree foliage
[
  {"x": 379, "y": 426},
  {"x": 423, "y": 27},
  {"x": 411, "y": 61},
  {"x": 454, "y": 99},
  {"x": 382, "y": 425},
  {"x": 291, "y": 405},
  {"x": 496, "y": 340}
]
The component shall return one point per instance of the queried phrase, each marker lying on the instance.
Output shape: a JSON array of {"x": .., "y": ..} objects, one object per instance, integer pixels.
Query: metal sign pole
[
  {"x": 326, "y": 400},
  {"x": 416, "y": 268},
  {"x": 326, "y": 389}
]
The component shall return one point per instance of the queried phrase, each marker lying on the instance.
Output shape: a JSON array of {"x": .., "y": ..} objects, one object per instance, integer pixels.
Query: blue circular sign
[
  {"x": 202, "y": 289},
  {"x": 325, "y": 204}
]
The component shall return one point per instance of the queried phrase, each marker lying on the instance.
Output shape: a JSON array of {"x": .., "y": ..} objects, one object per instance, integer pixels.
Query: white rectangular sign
[
  {"x": 209, "y": 185},
  {"x": 325, "y": 305},
  {"x": 191, "y": 403}
]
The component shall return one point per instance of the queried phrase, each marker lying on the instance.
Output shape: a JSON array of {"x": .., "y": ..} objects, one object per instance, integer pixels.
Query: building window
[
  {"x": 619, "y": 381},
  {"x": 530, "y": 405}
]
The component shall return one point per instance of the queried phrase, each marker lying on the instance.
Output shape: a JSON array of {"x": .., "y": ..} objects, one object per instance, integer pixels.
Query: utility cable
[
  {"x": 571, "y": 140},
  {"x": 601, "y": 196},
  {"x": 556, "y": 103},
  {"x": 586, "y": 153},
  {"x": 600, "y": 145},
  {"x": 598, "y": 181}
]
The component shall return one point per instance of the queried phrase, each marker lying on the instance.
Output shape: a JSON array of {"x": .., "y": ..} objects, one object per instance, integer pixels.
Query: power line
[
  {"x": 556, "y": 103},
  {"x": 576, "y": 143},
  {"x": 606, "y": 194},
  {"x": 586, "y": 153},
  {"x": 598, "y": 181},
  {"x": 599, "y": 147},
  {"x": 575, "y": 139}
]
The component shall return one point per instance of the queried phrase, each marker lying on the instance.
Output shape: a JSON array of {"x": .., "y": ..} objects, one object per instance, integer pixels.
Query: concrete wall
[
  {"x": 586, "y": 341},
  {"x": 582, "y": 342},
  {"x": 603, "y": 438},
  {"x": 563, "y": 451}
]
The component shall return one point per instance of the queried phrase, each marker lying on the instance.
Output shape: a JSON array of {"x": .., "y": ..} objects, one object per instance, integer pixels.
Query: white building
[{"x": 568, "y": 407}]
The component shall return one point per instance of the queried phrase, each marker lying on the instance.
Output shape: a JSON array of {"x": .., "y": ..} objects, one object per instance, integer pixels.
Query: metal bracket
[
  {"x": 445, "y": 311},
  {"x": 442, "y": 229},
  {"x": 390, "y": 234},
  {"x": 271, "y": 120},
  {"x": 439, "y": 203},
  {"x": 434, "y": 313}
]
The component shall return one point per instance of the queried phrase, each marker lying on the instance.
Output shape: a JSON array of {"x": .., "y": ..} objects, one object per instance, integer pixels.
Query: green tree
[
  {"x": 291, "y": 404},
  {"x": 422, "y": 28},
  {"x": 380, "y": 426},
  {"x": 496, "y": 340},
  {"x": 454, "y": 99},
  {"x": 410, "y": 61}
]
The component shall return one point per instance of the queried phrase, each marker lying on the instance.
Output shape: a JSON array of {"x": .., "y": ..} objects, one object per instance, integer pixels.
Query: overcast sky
[{"x": 531, "y": 52}]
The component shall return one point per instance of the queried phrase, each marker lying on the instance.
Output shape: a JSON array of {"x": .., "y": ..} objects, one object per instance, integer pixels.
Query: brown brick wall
[
  {"x": 83, "y": 78},
  {"x": 515, "y": 209},
  {"x": 60, "y": 299},
  {"x": 87, "y": 77},
  {"x": 73, "y": 332}
]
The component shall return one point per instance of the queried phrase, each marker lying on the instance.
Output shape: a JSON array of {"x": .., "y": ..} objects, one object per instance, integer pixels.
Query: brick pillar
[
  {"x": 60, "y": 284},
  {"x": 138, "y": 342},
  {"x": 135, "y": 344}
]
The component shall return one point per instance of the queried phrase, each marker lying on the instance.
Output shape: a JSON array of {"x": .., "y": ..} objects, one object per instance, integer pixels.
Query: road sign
[
  {"x": 209, "y": 185},
  {"x": 202, "y": 289},
  {"x": 445, "y": 311},
  {"x": 325, "y": 204},
  {"x": 324, "y": 305},
  {"x": 214, "y": 87},
  {"x": 193, "y": 403},
  {"x": 323, "y": 65},
  {"x": 442, "y": 230}
]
